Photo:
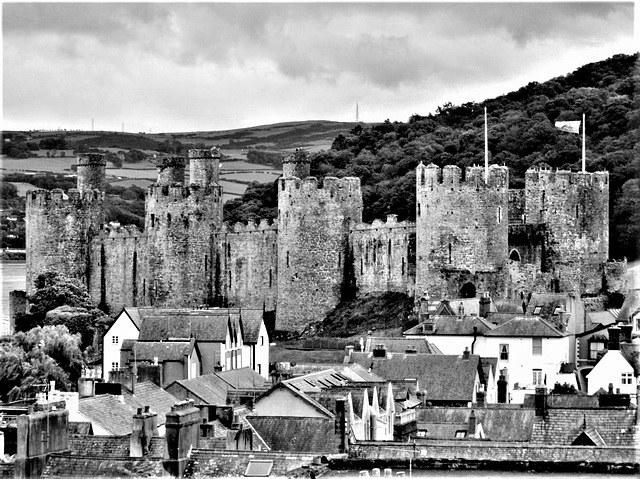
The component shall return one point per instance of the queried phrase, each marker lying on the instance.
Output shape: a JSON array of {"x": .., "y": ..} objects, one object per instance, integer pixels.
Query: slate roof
[
  {"x": 149, "y": 394},
  {"x": 109, "y": 413},
  {"x": 498, "y": 424},
  {"x": 526, "y": 326},
  {"x": 356, "y": 373},
  {"x": 242, "y": 378},
  {"x": 163, "y": 350},
  {"x": 443, "y": 377},
  {"x": 251, "y": 321},
  {"x": 548, "y": 302},
  {"x": 607, "y": 317},
  {"x": 508, "y": 306},
  {"x": 401, "y": 345},
  {"x": 296, "y": 434},
  {"x": 317, "y": 381},
  {"x": 452, "y": 326},
  {"x": 134, "y": 314},
  {"x": 209, "y": 388},
  {"x": 305, "y": 356},
  {"x": 490, "y": 363},
  {"x": 563, "y": 425},
  {"x": 182, "y": 325}
]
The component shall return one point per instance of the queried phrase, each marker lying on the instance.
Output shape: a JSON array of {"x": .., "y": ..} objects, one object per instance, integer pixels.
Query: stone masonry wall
[
  {"x": 313, "y": 229},
  {"x": 247, "y": 266},
  {"x": 179, "y": 225},
  {"x": 117, "y": 268},
  {"x": 460, "y": 225},
  {"x": 381, "y": 255},
  {"x": 59, "y": 232}
]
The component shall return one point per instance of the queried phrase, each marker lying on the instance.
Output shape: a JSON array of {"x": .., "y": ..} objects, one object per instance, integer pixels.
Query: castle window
[
  {"x": 449, "y": 252},
  {"x": 339, "y": 259},
  {"x": 361, "y": 266},
  {"x": 153, "y": 220},
  {"x": 186, "y": 221},
  {"x": 499, "y": 214},
  {"x": 403, "y": 266},
  {"x": 389, "y": 248},
  {"x": 168, "y": 219},
  {"x": 374, "y": 254},
  {"x": 418, "y": 209},
  {"x": 287, "y": 259},
  {"x": 206, "y": 263},
  {"x": 577, "y": 210},
  {"x": 229, "y": 278},
  {"x": 270, "y": 278},
  {"x": 422, "y": 177}
]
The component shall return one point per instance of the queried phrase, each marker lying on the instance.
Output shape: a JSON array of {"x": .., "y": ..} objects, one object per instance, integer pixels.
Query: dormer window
[
  {"x": 537, "y": 310},
  {"x": 557, "y": 310}
]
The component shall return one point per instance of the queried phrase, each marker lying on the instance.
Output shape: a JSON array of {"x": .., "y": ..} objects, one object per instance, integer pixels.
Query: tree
[{"x": 40, "y": 355}]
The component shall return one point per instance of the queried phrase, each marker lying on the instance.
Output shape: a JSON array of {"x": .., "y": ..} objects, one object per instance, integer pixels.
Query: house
[
  {"x": 630, "y": 310},
  {"x": 255, "y": 341},
  {"x": 175, "y": 359},
  {"x": 531, "y": 352},
  {"x": 126, "y": 326},
  {"x": 409, "y": 345},
  {"x": 613, "y": 370},
  {"x": 451, "y": 334},
  {"x": 439, "y": 379}
]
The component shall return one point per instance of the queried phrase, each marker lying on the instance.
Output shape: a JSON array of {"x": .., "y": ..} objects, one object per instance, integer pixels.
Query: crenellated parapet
[
  {"x": 171, "y": 171},
  {"x": 91, "y": 171},
  {"x": 204, "y": 167},
  {"x": 432, "y": 176},
  {"x": 44, "y": 199},
  {"x": 116, "y": 231},
  {"x": 296, "y": 165},
  {"x": 563, "y": 178},
  {"x": 390, "y": 223},
  {"x": 249, "y": 227}
]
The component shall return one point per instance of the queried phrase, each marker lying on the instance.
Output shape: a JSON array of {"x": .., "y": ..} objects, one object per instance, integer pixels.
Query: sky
[{"x": 177, "y": 67}]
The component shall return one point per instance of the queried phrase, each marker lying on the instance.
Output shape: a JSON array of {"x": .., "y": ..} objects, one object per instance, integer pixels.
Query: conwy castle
[{"x": 472, "y": 235}]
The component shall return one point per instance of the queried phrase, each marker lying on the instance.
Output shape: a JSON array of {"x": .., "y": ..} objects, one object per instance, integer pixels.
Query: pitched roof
[
  {"x": 185, "y": 325},
  {"x": 149, "y": 394},
  {"x": 526, "y": 326},
  {"x": 451, "y": 325},
  {"x": 209, "y": 388},
  {"x": 607, "y": 317},
  {"x": 443, "y": 377},
  {"x": 296, "y": 434},
  {"x": 401, "y": 345},
  {"x": 163, "y": 350},
  {"x": 304, "y": 356},
  {"x": 498, "y": 424},
  {"x": 251, "y": 321},
  {"x": 513, "y": 306},
  {"x": 243, "y": 378},
  {"x": 134, "y": 314},
  {"x": 548, "y": 303},
  {"x": 630, "y": 306},
  {"x": 317, "y": 381},
  {"x": 109, "y": 413}
]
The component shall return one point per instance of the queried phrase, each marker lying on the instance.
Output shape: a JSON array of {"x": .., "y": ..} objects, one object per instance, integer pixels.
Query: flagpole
[
  {"x": 486, "y": 149},
  {"x": 584, "y": 160}
]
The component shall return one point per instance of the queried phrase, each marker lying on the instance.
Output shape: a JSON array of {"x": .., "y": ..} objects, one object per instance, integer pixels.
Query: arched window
[
  {"x": 468, "y": 290},
  {"x": 514, "y": 255}
]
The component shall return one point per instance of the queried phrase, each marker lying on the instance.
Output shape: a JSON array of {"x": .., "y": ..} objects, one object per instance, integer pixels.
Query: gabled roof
[
  {"x": 162, "y": 350},
  {"x": 547, "y": 303},
  {"x": 589, "y": 436},
  {"x": 108, "y": 412},
  {"x": 526, "y": 326},
  {"x": 134, "y": 314},
  {"x": 356, "y": 373},
  {"x": 296, "y": 434},
  {"x": 251, "y": 322},
  {"x": 209, "y": 388},
  {"x": 630, "y": 306},
  {"x": 305, "y": 356},
  {"x": 605, "y": 318},
  {"x": 317, "y": 381},
  {"x": 149, "y": 394},
  {"x": 451, "y": 326},
  {"x": 443, "y": 377}
]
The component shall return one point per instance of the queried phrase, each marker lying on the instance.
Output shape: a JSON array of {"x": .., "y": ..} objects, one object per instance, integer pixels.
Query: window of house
[
  {"x": 259, "y": 368},
  {"x": 627, "y": 378},
  {"x": 594, "y": 348},
  {"x": 461, "y": 434},
  {"x": 537, "y": 310},
  {"x": 261, "y": 340},
  {"x": 537, "y": 346},
  {"x": 114, "y": 339},
  {"x": 537, "y": 377},
  {"x": 114, "y": 366},
  {"x": 504, "y": 352}
]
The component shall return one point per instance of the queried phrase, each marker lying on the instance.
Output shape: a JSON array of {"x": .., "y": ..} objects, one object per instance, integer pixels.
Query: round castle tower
[
  {"x": 296, "y": 165},
  {"x": 204, "y": 167},
  {"x": 91, "y": 171},
  {"x": 171, "y": 171}
]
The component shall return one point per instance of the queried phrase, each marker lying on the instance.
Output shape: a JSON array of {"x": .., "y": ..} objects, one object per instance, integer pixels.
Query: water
[{"x": 13, "y": 277}]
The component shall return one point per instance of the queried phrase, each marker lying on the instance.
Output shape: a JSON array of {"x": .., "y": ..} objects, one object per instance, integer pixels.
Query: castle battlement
[
  {"x": 333, "y": 188},
  {"x": 391, "y": 222},
  {"x": 118, "y": 231},
  {"x": 565, "y": 177},
  {"x": 57, "y": 197},
  {"x": 175, "y": 192},
  {"x": 204, "y": 153},
  {"x": 171, "y": 170},
  {"x": 92, "y": 159},
  {"x": 451, "y": 176},
  {"x": 251, "y": 226}
]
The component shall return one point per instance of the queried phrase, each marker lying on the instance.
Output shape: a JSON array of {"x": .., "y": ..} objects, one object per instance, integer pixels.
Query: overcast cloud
[{"x": 199, "y": 66}]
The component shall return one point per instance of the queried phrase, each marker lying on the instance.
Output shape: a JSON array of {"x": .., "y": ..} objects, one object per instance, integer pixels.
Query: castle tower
[
  {"x": 574, "y": 207},
  {"x": 60, "y": 228},
  {"x": 313, "y": 232},
  {"x": 91, "y": 172},
  {"x": 297, "y": 165},
  {"x": 204, "y": 167},
  {"x": 461, "y": 229},
  {"x": 179, "y": 224}
]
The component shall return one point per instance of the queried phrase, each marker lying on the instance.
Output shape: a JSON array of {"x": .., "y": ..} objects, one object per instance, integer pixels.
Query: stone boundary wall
[{"x": 491, "y": 452}]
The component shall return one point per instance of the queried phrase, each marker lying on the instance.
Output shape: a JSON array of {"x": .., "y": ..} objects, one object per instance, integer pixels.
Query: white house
[
  {"x": 613, "y": 369},
  {"x": 255, "y": 348},
  {"x": 126, "y": 326}
]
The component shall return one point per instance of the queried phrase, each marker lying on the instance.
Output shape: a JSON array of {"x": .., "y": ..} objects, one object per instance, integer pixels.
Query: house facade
[{"x": 126, "y": 326}]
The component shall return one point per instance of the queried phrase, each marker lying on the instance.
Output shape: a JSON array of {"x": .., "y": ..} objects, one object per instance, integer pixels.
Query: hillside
[{"x": 521, "y": 134}]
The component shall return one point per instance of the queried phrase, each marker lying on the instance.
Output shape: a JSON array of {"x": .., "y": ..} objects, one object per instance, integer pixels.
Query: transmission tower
[{"x": 357, "y": 113}]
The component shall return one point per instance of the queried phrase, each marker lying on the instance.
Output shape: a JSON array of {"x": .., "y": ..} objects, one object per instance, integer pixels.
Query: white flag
[{"x": 569, "y": 126}]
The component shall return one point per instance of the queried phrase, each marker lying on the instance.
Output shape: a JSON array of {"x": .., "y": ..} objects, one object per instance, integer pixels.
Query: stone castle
[{"x": 472, "y": 234}]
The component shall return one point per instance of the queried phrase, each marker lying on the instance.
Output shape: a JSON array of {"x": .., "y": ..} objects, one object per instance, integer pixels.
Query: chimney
[
  {"x": 472, "y": 424},
  {"x": 145, "y": 427},
  {"x": 480, "y": 399},
  {"x": 626, "y": 331},
  {"x": 614, "y": 339},
  {"x": 541, "y": 402},
  {"x": 341, "y": 427},
  {"x": 348, "y": 350},
  {"x": 466, "y": 354},
  {"x": 485, "y": 303}
]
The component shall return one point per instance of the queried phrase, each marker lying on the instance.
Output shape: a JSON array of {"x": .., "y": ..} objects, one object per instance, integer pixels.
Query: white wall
[
  {"x": 609, "y": 370},
  {"x": 123, "y": 328}
]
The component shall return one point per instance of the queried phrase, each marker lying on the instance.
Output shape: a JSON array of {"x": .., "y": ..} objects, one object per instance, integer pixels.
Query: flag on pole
[{"x": 569, "y": 126}]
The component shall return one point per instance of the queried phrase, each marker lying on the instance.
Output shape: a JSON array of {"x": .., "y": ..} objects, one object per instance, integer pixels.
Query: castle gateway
[{"x": 472, "y": 234}]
